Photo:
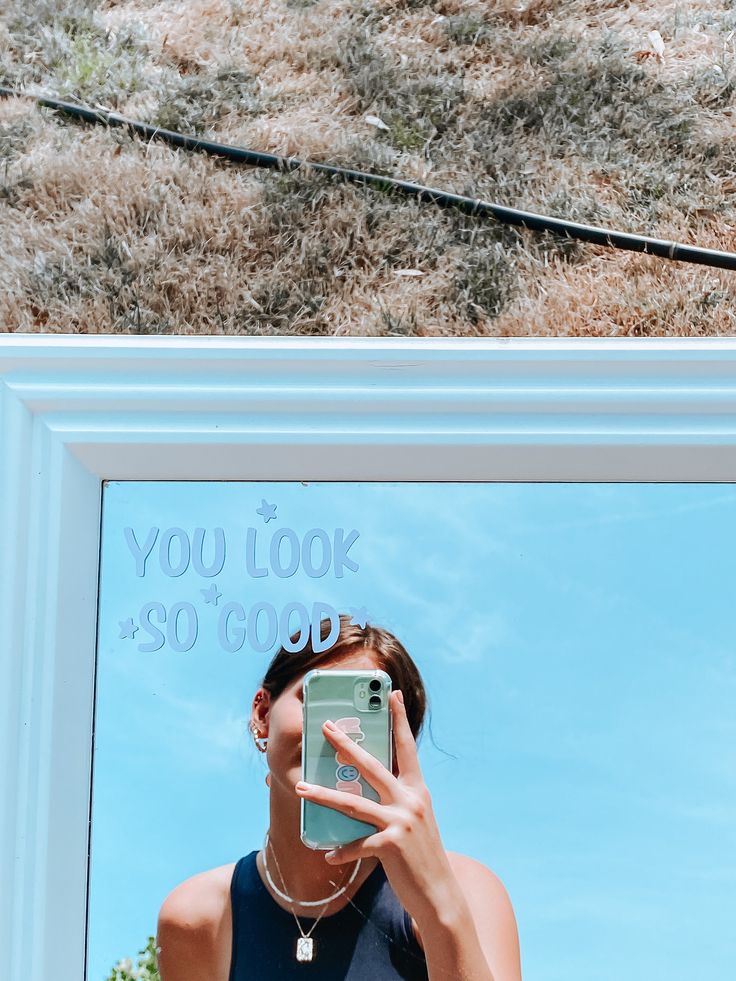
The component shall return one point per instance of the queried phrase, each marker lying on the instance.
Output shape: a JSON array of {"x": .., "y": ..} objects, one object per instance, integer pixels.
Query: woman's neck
[{"x": 307, "y": 875}]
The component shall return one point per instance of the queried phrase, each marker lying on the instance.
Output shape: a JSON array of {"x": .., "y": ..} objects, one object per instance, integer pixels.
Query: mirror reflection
[{"x": 561, "y": 792}]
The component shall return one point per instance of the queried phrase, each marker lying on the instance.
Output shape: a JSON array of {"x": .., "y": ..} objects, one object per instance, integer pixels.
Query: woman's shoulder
[
  {"x": 202, "y": 896},
  {"x": 480, "y": 885},
  {"x": 490, "y": 907},
  {"x": 194, "y": 930},
  {"x": 467, "y": 869}
]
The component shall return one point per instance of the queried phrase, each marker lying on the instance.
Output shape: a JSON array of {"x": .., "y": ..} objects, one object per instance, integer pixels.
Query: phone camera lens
[
  {"x": 375, "y": 701},
  {"x": 375, "y": 684}
]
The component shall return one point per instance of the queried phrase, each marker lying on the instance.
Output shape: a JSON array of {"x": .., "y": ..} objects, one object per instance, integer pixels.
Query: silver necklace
[
  {"x": 304, "y": 945},
  {"x": 306, "y": 940},
  {"x": 299, "y": 902}
]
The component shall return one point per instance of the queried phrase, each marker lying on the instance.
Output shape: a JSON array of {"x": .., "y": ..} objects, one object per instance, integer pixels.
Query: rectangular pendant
[{"x": 304, "y": 949}]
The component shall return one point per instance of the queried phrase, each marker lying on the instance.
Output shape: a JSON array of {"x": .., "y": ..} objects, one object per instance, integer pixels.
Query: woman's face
[{"x": 281, "y": 722}]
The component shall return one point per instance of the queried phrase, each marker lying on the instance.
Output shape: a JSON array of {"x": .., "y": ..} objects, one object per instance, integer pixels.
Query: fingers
[
  {"x": 352, "y": 805},
  {"x": 370, "y": 768},
  {"x": 369, "y": 847},
  {"x": 405, "y": 745}
]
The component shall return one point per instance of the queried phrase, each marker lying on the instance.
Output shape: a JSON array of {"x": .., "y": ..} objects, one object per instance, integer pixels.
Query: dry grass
[{"x": 563, "y": 107}]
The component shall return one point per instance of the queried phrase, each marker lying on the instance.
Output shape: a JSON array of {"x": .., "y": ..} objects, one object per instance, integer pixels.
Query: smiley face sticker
[{"x": 347, "y": 775}]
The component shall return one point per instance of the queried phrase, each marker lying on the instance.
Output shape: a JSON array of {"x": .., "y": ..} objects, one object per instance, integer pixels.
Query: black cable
[{"x": 511, "y": 216}]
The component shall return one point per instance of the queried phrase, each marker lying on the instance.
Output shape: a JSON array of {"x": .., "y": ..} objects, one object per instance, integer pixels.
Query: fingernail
[
  {"x": 331, "y": 725},
  {"x": 401, "y": 696},
  {"x": 302, "y": 786},
  {"x": 329, "y": 856}
]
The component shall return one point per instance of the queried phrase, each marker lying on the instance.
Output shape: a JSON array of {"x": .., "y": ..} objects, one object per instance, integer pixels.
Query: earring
[{"x": 261, "y": 742}]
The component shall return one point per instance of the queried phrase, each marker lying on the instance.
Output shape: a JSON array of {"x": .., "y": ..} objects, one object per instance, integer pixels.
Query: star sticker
[
  {"x": 127, "y": 630},
  {"x": 359, "y": 615},
  {"x": 211, "y": 595},
  {"x": 267, "y": 510}
]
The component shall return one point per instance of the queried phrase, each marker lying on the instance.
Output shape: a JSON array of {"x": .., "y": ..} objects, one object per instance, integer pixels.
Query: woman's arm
[
  {"x": 186, "y": 952},
  {"x": 484, "y": 918},
  {"x": 409, "y": 845},
  {"x": 194, "y": 931}
]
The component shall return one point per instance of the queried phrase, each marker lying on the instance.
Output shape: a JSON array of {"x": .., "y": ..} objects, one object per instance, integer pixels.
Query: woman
[{"x": 389, "y": 906}]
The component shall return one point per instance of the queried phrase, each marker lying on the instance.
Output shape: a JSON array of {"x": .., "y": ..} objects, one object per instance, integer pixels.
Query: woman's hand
[{"x": 407, "y": 842}]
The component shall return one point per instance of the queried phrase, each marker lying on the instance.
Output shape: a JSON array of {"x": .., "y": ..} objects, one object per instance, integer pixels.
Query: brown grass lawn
[{"x": 572, "y": 108}]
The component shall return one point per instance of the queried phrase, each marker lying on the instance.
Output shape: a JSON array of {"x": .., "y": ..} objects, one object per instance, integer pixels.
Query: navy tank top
[{"x": 372, "y": 943}]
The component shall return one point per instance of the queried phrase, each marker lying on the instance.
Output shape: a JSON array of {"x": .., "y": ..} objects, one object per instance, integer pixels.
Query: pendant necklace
[{"x": 305, "y": 948}]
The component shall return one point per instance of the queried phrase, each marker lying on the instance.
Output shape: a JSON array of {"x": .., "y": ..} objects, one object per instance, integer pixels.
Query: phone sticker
[{"x": 348, "y": 776}]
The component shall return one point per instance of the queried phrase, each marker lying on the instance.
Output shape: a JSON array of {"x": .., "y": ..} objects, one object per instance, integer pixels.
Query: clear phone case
[{"x": 344, "y": 697}]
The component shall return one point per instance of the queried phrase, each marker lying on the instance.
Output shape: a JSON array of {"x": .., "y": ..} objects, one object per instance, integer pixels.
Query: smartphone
[{"x": 358, "y": 703}]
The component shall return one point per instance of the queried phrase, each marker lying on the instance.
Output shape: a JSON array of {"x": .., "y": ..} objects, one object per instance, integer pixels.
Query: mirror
[{"x": 576, "y": 643}]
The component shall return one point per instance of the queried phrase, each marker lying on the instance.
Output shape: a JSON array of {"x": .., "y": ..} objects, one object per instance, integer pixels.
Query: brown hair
[{"x": 389, "y": 654}]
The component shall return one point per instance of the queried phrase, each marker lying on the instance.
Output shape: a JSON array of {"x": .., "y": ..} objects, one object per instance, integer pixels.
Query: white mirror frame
[{"x": 78, "y": 410}]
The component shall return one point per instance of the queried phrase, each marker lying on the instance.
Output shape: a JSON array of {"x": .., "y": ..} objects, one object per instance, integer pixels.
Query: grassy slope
[{"x": 557, "y": 106}]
